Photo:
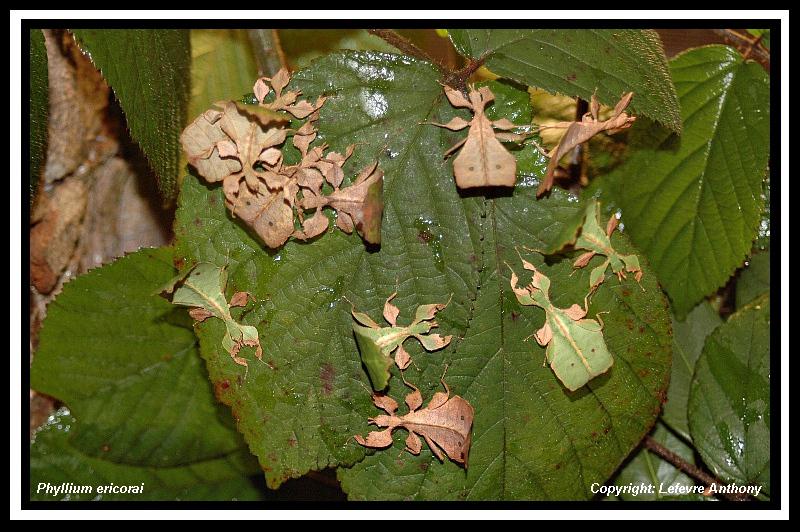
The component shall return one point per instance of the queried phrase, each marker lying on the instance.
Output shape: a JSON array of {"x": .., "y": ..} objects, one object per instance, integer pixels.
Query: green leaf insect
[
  {"x": 376, "y": 343},
  {"x": 576, "y": 348},
  {"x": 598, "y": 242},
  {"x": 203, "y": 289}
]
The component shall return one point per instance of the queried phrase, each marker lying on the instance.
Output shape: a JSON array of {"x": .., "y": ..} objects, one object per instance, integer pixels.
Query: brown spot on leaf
[
  {"x": 220, "y": 387},
  {"x": 644, "y": 373},
  {"x": 572, "y": 76},
  {"x": 326, "y": 375},
  {"x": 292, "y": 442},
  {"x": 629, "y": 324},
  {"x": 424, "y": 466},
  {"x": 641, "y": 329},
  {"x": 424, "y": 236},
  {"x": 626, "y": 292},
  {"x": 105, "y": 448},
  {"x": 558, "y": 465},
  {"x": 514, "y": 316}
]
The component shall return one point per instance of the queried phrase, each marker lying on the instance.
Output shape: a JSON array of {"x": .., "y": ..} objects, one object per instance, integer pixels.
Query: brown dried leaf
[
  {"x": 483, "y": 161},
  {"x": 580, "y": 132},
  {"x": 445, "y": 424}
]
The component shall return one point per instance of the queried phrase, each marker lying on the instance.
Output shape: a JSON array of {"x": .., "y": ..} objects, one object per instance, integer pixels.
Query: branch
[
  {"x": 454, "y": 78},
  {"x": 746, "y": 46},
  {"x": 690, "y": 469},
  {"x": 268, "y": 52},
  {"x": 407, "y": 47}
]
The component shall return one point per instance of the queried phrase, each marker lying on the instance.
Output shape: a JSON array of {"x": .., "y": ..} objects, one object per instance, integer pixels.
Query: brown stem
[
  {"x": 690, "y": 469},
  {"x": 454, "y": 78},
  {"x": 268, "y": 53},
  {"x": 746, "y": 46},
  {"x": 406, "y": 46}
]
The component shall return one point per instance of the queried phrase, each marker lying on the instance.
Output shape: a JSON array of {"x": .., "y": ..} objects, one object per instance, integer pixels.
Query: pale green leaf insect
[
  {"x": 376, "y": 343},
  {"x": 203, "y": 289},
  {"x": 575, "y": 346}
]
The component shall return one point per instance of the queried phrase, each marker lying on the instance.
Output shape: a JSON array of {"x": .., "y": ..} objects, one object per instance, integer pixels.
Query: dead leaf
[
  {"x": 445, "y": 424},
  {"x": 580, "y": 132},
  {"x": 483, "y": 161}
]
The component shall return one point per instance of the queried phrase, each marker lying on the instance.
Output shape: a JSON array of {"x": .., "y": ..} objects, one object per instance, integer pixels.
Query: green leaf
[
  {"x": 148, "y": 71},
  {"x": 532, "y": 439},
  {"x": 729, "y": 412},
  {"x": 648, "y": 469},
  {"x": 753, "y": 280},
  {"x": 124, "y": 361},
  {"x": 56, "y": 461},
  {"x": 688, "y": 338},
  {"x": 223, "y": 68},
  {"x": 39, "y": 107},
  {"x": 762, "y": 240},
  {"x": 579, "y": 62},
  {"x": 693, "y": 204},
  {"x": 301, "y": 408}
]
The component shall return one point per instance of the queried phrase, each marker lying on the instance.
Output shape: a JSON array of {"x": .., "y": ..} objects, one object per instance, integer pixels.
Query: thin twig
[
  {"x": 690, "y": 469},
  {"x": 746, "y": 45}
]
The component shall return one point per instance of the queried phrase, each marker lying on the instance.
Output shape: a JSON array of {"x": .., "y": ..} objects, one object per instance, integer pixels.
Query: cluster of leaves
[{"x": 531, "y": 438}]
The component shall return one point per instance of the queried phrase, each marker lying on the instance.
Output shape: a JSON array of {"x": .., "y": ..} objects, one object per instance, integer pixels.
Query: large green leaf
[
  {"x": 753, "y": 281},
  {"x": 729, "y": 413},
  {"x": 579, "y": 62},
  {"x": 124, "y": 361},
  {"x": 665, "y": 481},
  {"x": 39, "y": 106},
  {"x": 148, "y": 71},
  {"x": 693, "y": 204},
  {"x": 531, "y": 438},
  {"x": 223, "y": 68},
  {"x": 56, "y": 462},
  {"x": 300, "y": 408},
  {"x": 688, "y": 338}
]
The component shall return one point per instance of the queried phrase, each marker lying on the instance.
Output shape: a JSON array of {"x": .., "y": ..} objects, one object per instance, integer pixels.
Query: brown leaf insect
[
  {"x": 579, "y": 132},
  {"x": 445, "y": 424},
  {"x": 483, "y": 161}
]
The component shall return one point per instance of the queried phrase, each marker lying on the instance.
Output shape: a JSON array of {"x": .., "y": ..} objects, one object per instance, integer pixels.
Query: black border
[{"x": 775, "y": 231}]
